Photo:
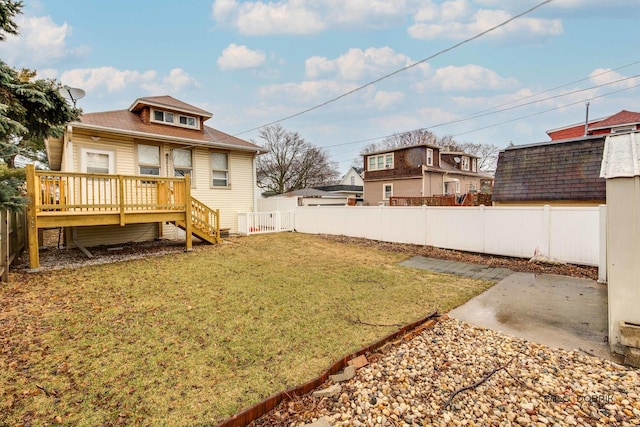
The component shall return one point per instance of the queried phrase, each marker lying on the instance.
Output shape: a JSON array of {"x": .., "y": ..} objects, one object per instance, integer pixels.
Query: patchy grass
[{"x": 196, "y": 337}]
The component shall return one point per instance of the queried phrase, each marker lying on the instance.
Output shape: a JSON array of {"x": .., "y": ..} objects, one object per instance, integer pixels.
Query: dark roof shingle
[{"x": 567, "y": 170}]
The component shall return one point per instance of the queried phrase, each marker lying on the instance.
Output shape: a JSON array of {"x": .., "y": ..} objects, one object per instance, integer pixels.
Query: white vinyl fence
[
  {"x": 575, "y": 235},
  {"x": 569, "y": 234},
  {"x": 265, "y": 222}
]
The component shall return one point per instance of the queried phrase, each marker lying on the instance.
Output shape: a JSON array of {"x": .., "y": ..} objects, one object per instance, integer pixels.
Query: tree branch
[{"x": 477, "y": 383}]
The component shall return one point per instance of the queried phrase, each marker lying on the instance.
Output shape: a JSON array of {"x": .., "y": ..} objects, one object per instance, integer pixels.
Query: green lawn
[{"x": 196, "y": 337}]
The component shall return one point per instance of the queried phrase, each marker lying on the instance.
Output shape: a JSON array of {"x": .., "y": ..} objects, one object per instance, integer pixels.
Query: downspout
[
  {"x": 255, "y": 181},
  {"x": 69, "y": 149}
]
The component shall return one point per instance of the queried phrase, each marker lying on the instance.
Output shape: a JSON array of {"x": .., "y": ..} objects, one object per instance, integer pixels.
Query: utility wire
[
  {"x": 491, "y": 111},
  {"x": 386, "y": 76},
  {"x": 549, "y": 110},
  {"x": 537, "y": 113}
]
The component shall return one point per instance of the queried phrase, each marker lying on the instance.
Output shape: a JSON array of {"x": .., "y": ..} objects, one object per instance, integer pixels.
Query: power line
[
  {"x": 493, "y": 110},
  {"x": 537, "y": 113},
  {"x": 549, "y": 110},
  {"x": 386, "y": 76}
]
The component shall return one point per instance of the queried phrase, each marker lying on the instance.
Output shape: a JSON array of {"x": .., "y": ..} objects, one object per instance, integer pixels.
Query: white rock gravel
[{"x": 409, "y": 384}]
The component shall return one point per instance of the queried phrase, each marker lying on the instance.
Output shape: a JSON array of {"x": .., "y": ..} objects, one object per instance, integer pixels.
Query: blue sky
[{"x": 254, "y": 62}]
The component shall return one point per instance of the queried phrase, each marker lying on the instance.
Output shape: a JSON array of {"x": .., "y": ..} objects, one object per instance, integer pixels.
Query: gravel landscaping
[{"x": 499, "y": 380}]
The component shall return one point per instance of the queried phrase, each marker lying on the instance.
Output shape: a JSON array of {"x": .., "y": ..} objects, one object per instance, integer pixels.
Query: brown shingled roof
[
  {"x": 168, "y": 102},
  {"x": 568, "y": 170},
  {"x": 624, "y": 117},
  {"x": 125, "y": 121}
]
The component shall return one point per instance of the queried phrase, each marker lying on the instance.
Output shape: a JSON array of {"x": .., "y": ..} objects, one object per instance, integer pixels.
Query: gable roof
[
  {"x": 169, "y": 102},
  {"x": 555, "y": 170},
  {"x": 129, "y": 123},
  {"x": 622, "y": 118},
  {"x": 575, "y": 130}
]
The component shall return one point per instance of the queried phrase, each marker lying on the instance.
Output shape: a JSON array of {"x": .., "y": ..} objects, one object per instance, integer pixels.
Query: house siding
[
  {"x": 373, "y": 190},
  {"x": 238, "y": 197},
  {"x": 121, "y": 146}
]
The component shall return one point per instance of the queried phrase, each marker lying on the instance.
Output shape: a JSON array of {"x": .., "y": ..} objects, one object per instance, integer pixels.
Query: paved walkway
[
  {"x": 474, "y": 271},
  {"x": 557, "y": 311}
]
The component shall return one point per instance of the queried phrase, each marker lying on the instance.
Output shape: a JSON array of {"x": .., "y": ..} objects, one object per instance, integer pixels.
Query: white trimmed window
[
  {"x": 381, "y": 161},
  {"x": 148, "y": 160},
  {"x": 187, "y": 121},
  {"x": 465, "y": 163},
  {"x": 97, "y": 161},
  {"x": 183, "y": 163},
  {"x": 183, "y": 120},
  {"x": 429, "y": 156},
  {"x": 387, "y": 191},
  {"x": 219, "y": 169}
]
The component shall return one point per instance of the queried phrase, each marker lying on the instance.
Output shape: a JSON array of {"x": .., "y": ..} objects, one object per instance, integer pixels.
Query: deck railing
[
  {"x": 102, "y": 193},
  {"x": 68, "y": 199},
  {"x": 205, "y": 219}
]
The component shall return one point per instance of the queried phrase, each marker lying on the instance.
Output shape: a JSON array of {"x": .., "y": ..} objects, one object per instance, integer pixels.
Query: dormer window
[
  {"x": 182, "y": 120},
  {"x": 465, "y": 163}
]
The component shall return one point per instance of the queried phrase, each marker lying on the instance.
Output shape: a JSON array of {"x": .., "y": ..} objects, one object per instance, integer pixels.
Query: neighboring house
[
  {"x": 156, "y": 137},
  {"x": 315, "y": 197},
  {"x": 420, "y": 171},
  {"x": 622, "y": 122},
  {"x": 565, "y": 172},
  {"x": 351, "y": 185}
]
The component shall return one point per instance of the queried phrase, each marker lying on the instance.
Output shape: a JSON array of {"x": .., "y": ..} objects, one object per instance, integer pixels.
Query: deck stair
[{"x": 205, "y": 222}]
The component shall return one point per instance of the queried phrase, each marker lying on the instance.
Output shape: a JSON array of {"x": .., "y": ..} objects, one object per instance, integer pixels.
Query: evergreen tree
[{"x": 31, "y": 110}]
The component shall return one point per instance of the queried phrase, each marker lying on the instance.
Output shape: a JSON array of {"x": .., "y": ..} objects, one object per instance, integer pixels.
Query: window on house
[
  {"x": 465, "y": 163},
  {"x": 187, "y": 121},
  {"x": 474, "y": 165},
  {"x": 429, "y": 156},
  {"x": 182, "y": 163},
  {"x": 163, "y": 116},
  {"x": 387, "y": 191},
  {"x": 97, "y": 161},
  {"x": 175, "y": 119},
  {"x": 149, "y": 160},
  {"x": 220, "y": 169},
  {"x": 382, "y": 161}
]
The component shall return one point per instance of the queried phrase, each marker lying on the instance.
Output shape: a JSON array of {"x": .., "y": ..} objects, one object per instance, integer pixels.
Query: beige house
[
  {"x": 420, "y": 171},
  {"x": 161, "y": 139}
]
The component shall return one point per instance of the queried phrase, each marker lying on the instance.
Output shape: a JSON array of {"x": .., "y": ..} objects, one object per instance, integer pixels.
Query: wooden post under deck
[
  {"x": 187, "y": 220},
  {"x": 32, "y": 219}
]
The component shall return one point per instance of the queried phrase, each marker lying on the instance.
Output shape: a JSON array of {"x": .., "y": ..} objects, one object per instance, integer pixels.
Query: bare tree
[
  {"x": 291, "y": 163},
  {"x": 487, "y": 154}
]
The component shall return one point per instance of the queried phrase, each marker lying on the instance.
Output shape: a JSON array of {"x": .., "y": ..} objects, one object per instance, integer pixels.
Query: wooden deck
[{"x": 69, "y": 199}]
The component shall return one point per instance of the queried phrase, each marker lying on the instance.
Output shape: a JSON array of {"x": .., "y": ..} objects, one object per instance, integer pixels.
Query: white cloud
[
  {"x": 40, "y": 41},
  {"x": 240, "y": 57},
  {"x": 177, "y": 80},
  {"x": 601, "y": 76},
  {"x": 357, "y": 64},
  {"x": 457, "y": 19},
  {"x": 305, "y": 17},
  {"x": 306, "y": 91},
  {"x": 383, "y": 100},
  {"x": 114, "y": 80},
  {"x": 465, "y": 78}
]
